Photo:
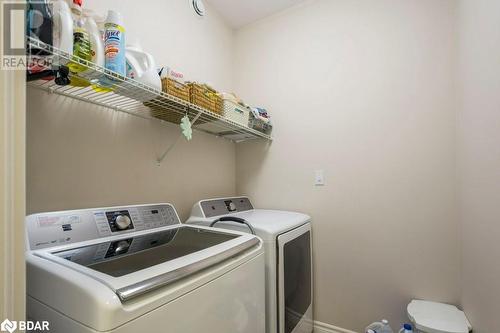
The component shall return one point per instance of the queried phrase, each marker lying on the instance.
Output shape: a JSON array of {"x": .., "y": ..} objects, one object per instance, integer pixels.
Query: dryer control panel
[
  {"x": 225, "y": 206},
  {"x": 66, "y": 227}
]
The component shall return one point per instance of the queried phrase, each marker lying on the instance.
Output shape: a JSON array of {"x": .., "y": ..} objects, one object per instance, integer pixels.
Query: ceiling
[{"x": 238, "y": 13}]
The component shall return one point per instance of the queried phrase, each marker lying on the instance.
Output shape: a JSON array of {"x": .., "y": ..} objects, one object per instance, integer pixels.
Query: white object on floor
[
  {"x": 433, "y": 317},
  {"x": 287, "y": 245},
  {"x": 137, "y": 269},
  {"x": 379, "y": 327}
]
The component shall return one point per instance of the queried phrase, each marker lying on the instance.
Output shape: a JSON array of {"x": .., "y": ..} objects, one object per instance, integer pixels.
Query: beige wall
[
  {"x": 364, "y": 91},
  {"x": 479, "y": 161},
  {"x": 12, "y": 189},
  {"x": 81, "y": 155}
]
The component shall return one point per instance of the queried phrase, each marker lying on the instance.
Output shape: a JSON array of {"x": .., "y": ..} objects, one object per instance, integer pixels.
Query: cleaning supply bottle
[
  {"x": 406, "y": 329},
  {"x": 114, "y": 43},
  {"x": 81, "y": 39},
  {"x": 62, "y": 26},
  {"x": 98, "y": 19},
  {"x": 96, "y": 42},
  {"x": 81, "y": 46},
  {"x": 96, "y": 46}
]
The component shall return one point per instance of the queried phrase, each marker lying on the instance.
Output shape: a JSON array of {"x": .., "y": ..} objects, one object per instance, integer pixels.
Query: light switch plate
[{"x": 319, "y": 178}]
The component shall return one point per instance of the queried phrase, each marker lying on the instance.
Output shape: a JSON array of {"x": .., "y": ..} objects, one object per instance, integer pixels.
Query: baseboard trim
[{"x": 320, "y": 327}]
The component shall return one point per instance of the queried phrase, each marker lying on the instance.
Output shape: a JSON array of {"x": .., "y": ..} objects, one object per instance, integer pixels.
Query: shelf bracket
[{"x": 164, "y": 155}]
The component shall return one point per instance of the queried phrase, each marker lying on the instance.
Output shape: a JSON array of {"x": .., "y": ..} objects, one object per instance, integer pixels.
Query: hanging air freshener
[{"x": 187, "y": 131}]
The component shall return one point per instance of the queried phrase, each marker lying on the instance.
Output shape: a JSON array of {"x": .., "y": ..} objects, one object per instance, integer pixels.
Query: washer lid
[
  {"x": 143, "y": 262},
  {"x": 432, "y": 317}
]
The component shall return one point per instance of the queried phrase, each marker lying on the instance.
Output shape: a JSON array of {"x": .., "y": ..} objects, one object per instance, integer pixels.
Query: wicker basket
[
  {"x": 160, "y": 112},
  {"x": 235, "y": 112},
  {"x": 164, "y": 113},
  {"x": 174, "y": 88},
  {"x": 202, "y": 96}
]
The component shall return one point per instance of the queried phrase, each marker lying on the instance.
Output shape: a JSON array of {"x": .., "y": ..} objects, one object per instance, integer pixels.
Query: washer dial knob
[
  {"x": 122, "y": 222},
  {"x": 122, "y": 247}
]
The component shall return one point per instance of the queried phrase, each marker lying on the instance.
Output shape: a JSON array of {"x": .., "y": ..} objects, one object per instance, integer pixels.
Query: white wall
[
  {"x": 479, "y": 161},
  {"x": 365, "y": 91},
  {"x": 80, "y": 155}
]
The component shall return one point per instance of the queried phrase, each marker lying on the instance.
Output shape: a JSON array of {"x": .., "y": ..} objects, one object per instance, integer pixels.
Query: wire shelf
[{"x": 114, "y": 91}]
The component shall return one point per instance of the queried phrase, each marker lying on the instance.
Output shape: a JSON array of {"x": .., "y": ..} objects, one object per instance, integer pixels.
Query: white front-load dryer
[
  {"x": 287, "y": 245},
  {"x": 137, "y": 269}
]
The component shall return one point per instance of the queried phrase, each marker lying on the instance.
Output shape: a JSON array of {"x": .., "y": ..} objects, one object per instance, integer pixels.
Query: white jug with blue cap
[{"x": 406, "y": 329}]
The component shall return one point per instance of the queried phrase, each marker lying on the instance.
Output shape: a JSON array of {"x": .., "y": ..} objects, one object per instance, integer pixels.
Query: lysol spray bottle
[{"x": 114, "y": 43}]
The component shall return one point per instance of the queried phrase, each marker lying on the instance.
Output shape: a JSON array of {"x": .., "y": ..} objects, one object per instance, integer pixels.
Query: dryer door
[{"x": 295, "y": 281}]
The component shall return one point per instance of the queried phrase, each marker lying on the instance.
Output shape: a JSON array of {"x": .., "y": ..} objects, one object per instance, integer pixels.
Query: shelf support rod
[{"x": 162, "y": 157}]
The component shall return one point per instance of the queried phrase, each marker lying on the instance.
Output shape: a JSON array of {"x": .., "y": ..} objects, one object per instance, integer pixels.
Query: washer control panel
[
  {"x": 66, "y": 227},
  {"x": 218, "y": 207}
]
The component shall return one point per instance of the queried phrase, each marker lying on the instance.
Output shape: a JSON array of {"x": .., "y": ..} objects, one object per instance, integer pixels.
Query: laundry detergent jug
[
  {"x": 62, "y": 27},
  {"x": 141, "y": 67}
]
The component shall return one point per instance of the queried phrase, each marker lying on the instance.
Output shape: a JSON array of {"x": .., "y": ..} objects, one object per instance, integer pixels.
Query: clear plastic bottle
[
  {"x": 81, "y": 38},
  {"x": 81, "y": 45},
  {"x": 386, "y": 328},
  {"x": 96, "y": 42},
  {"x": 380, "y": 327}
]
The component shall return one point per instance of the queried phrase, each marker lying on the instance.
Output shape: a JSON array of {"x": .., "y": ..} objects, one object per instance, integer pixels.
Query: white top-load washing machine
[
  {"x": 137, "y": 269},
  {"x": 287, "y": 245}
]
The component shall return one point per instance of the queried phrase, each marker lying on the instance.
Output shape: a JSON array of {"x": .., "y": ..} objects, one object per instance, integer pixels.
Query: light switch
[{"x": 319, "y": 178}]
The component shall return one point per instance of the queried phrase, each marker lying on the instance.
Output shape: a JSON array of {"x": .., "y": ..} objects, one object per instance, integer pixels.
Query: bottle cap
[
  {"x": 95, "y": 15},
  {"x": 114, "y": 17},
  {"x": 76, "y": 7},
  {"x": 385, "y": 321},
  {"x": 407, "y": 327}
]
